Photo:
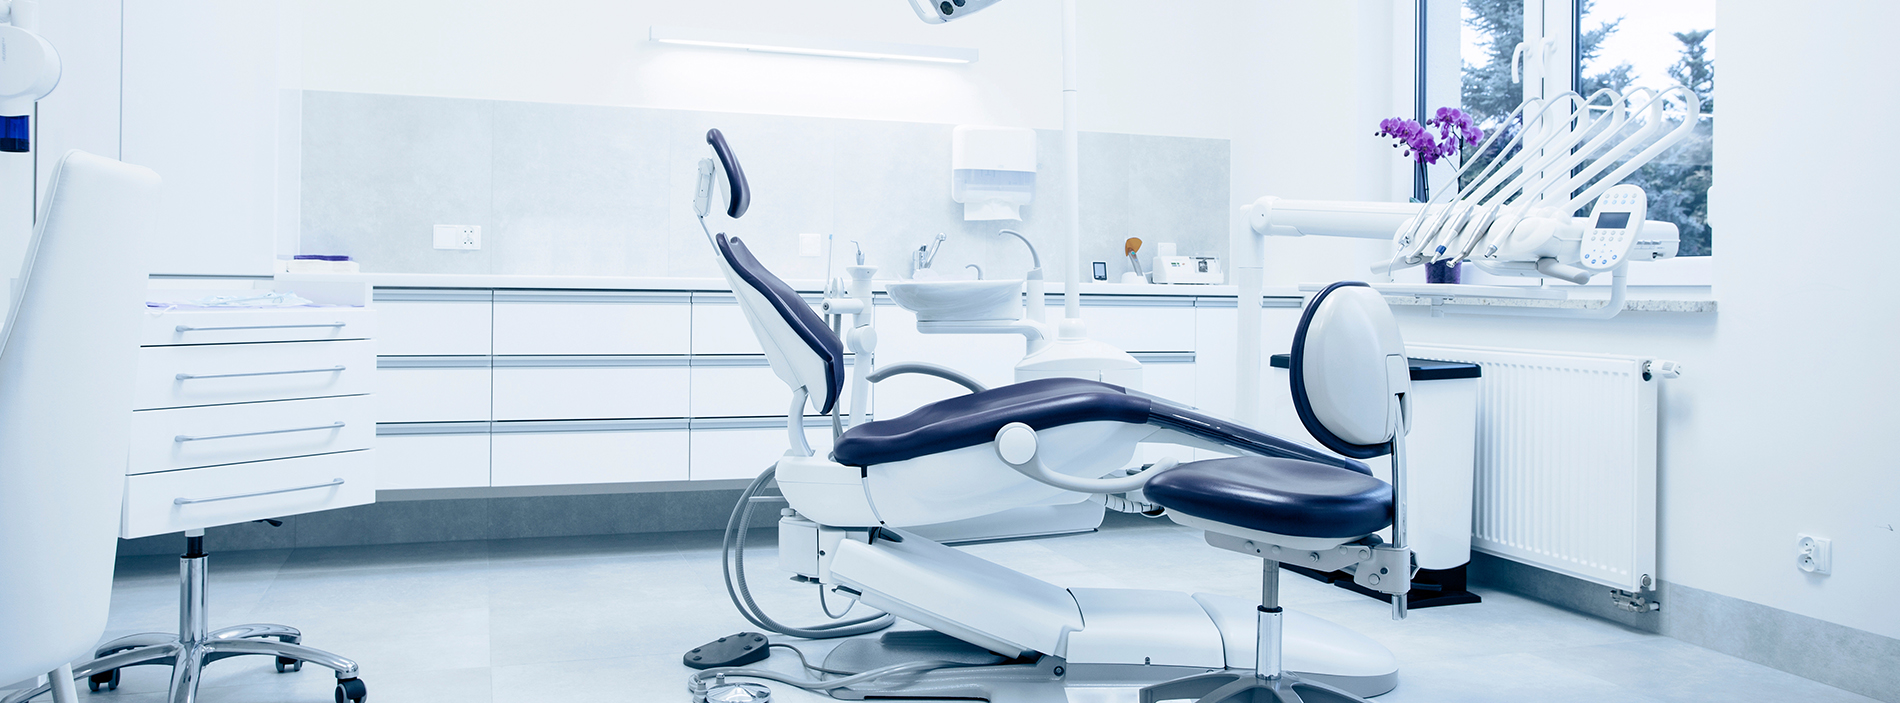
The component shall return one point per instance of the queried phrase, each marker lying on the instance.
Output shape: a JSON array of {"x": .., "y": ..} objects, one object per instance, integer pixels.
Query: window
[{"x": 1585, "y": 45}]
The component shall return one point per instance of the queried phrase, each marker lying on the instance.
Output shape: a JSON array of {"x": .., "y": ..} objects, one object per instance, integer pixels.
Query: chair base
[
  {"x": 193, "y": 647},
  {"x": 1244, "y": 687}
]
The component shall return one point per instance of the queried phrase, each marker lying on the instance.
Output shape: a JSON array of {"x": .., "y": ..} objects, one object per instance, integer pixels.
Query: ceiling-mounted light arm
[
  {"x": 810, "y": 46},
  {"x": 941, "y": 11}
]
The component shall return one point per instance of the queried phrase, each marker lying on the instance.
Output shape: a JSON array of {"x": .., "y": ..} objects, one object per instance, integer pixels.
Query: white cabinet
[
  {"x": 741, "y": 448},
  {"x": 185, "y": 438},
  {"x": 178, "y": 376},
  {"x": 1139, "y": 323},
  {"x": 435, "y": 322},
  {"x": 1215, "y": 353},
  {"x": 592, "y": 322},
  {"x": 432, "y": 389},
  {"x": 432, "y": 455},
  {"x": 567, "y": 453},
  {"x": 590, "y": 388},
  {"x": 250, "y": 427}
]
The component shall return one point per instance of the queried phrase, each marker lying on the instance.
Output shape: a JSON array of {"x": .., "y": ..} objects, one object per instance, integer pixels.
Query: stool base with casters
[{"x": 196, "y": 645}]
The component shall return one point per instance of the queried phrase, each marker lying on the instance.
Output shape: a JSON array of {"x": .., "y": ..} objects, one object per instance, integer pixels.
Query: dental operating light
[
  {"x": 29, "y": 70},
  {"x": 941, "y": 11}
]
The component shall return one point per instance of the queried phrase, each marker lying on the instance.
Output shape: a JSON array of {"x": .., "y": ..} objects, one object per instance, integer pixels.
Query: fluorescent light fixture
[{"x": 811, "y": 46}]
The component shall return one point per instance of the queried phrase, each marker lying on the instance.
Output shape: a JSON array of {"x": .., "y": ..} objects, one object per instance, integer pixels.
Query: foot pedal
[{"x": 732, "y": 650}]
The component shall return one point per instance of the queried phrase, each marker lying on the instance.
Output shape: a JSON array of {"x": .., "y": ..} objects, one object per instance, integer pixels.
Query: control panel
[{"x": 1612, "y": 226}]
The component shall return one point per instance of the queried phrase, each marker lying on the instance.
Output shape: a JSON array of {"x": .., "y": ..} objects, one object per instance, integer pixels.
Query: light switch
[{"x": 458, "y": 236}]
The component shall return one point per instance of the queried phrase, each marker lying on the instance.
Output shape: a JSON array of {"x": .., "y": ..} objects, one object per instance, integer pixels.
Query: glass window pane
[
  {"x": 1490, "y": 33},
  {"x": 1625, "y": 43}
]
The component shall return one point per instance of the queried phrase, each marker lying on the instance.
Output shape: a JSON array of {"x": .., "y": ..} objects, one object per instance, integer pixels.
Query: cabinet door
[
  {"x": 591, "y": 388},
  {"x": 740, "y": 449},
  {"x": 1141, "y": 323},
  {"x": 1215, "y": 354},
  {"x": 592, "y": 322},
  {"x": 432, "y": 455},
  {"x": 582, "y": 452},
  {"x": 432, "y": 389},
  {"x": 720, "y": 327},
  {"x": 435, "y": 322}
]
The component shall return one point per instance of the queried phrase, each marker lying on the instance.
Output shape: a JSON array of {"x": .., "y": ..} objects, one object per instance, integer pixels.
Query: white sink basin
[{"x": 959, "y": 301}]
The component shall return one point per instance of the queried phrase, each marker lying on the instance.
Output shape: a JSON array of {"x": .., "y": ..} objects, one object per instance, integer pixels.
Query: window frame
[{"x": 1552, "y": 31}]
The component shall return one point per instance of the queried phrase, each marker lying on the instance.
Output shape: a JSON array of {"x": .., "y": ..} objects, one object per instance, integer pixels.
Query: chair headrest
[{"x": 1348, "y": 365}]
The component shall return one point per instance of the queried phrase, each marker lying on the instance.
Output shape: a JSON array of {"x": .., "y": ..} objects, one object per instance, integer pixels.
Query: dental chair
[{"x": 1045, "y": 441}]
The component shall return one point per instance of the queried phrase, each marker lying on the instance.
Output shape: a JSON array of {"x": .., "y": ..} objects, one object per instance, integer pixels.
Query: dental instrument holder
[{"x": 1487, "y": 210}]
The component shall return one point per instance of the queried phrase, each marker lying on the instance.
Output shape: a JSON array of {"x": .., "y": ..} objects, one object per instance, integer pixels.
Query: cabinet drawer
[
  {"x": 164, "y": 440},
  {"x": 1168, "y": 375},
  {"x": 171, "y": 377},
  {"x": 435, "y": 322},
  {"x": 432, "y": 456},
  {"x": 742, "y": 449},
  {"x": 580, "y": 389},
  {"x": 172, "y": 501},
  {"x": 744, "y": 387},
  {"x": 424, "y": 389},
  {"x": 1143, "y": 324},
  {"x": 197, "y": 326},
  {"x": 566, "y": 453},
  {"x": 559, "y": 322},
  {"x": 720, "y": 327}
]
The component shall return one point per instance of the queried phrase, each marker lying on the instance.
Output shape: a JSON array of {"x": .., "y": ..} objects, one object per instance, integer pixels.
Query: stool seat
[{"x": 1280, "y": 496}]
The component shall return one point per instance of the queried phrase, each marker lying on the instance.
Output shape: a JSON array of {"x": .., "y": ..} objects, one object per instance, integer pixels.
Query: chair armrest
[{"x": 920, "y": 368}]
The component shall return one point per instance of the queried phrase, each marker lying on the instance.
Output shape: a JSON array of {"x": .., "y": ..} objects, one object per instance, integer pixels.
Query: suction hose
[{"x": 732, "y": 565}]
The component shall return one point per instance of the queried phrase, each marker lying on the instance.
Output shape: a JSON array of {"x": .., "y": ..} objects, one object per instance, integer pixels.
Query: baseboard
[{"x": 1840, "y": 656}]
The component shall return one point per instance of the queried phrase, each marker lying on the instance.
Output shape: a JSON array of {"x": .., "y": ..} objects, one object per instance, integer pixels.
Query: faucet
[{"x": 926, "y": 254}]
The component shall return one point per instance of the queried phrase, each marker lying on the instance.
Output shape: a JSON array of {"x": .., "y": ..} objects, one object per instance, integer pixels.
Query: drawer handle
[
  {"x": 186, "y": 438},
  {"x": 188, "y": 377},
  {"x": 189, "y": 501},
  {"x": 188, "y": 328}
]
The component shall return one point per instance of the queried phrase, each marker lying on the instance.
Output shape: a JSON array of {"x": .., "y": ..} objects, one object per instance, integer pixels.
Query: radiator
[{"x": 1566, "y": 461}]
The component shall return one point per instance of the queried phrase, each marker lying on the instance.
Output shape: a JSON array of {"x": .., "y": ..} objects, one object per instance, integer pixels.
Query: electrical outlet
[
  {"x": 1814, "y": 555},
  {"x": 458, "y": 236}
]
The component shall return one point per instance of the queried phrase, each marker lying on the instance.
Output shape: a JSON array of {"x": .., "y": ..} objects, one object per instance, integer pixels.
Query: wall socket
[
  {"x": 458, "y": 236},
  {"x": 1815, "y": 555}
]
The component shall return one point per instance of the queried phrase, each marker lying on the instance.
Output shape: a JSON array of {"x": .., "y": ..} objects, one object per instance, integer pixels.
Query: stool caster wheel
[
  {"x": 285, "y": 664},
  {"x": 108, "y": 680},
  {"x": 351, "y": 691}
]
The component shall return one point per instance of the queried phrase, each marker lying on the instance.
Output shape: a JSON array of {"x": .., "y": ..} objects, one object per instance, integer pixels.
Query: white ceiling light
[{"x": 811, "y": 46}]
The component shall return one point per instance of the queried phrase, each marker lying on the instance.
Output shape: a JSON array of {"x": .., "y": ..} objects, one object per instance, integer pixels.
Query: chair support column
[{"x": 1267, "y": 654}]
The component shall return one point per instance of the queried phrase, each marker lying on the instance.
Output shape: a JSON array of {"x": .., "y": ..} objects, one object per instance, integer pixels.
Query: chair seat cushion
[
  {"x": 970, "y": 420},
  {"x": 1281, "y": 496}
]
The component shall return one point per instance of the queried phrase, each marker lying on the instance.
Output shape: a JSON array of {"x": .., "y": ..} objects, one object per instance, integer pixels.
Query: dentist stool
[
  {"x": 68, "y": 353},
  {"x": 1350, "y": 378}
]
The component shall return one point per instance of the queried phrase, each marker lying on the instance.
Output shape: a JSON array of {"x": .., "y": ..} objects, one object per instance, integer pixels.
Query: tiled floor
[{"x": 571, "y": 620}]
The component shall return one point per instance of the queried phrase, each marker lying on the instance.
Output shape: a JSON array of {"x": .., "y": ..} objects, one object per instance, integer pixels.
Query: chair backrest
[
  {"x": 68, "y": 354},
  {"x": 1348, "y": 365},
  {"x": 803, "y": 351}
]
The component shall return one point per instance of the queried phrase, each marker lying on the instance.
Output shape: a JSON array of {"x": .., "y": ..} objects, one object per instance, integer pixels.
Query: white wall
[{"x": 1781, "y": 424}]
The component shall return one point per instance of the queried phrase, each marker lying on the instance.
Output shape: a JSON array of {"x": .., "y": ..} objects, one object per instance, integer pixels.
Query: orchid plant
[{"x": 1454, "y": 132}]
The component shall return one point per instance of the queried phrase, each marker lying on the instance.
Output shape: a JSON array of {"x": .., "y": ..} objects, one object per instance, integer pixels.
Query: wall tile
[
  {"x": 590, "y": 190},
  {"x": 380, "y": 171},
  {"x": 579, "y": 190}
]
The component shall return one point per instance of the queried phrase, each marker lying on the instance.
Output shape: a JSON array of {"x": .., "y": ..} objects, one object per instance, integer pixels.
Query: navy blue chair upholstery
[{"x": 1282, "y": 496}]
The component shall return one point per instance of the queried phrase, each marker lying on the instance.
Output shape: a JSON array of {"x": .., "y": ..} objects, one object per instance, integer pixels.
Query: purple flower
[{"x": 1455, "y": 131}]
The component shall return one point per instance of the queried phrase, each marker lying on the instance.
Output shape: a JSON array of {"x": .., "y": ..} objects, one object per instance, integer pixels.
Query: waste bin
[{"x": 1439, "y": 449}]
